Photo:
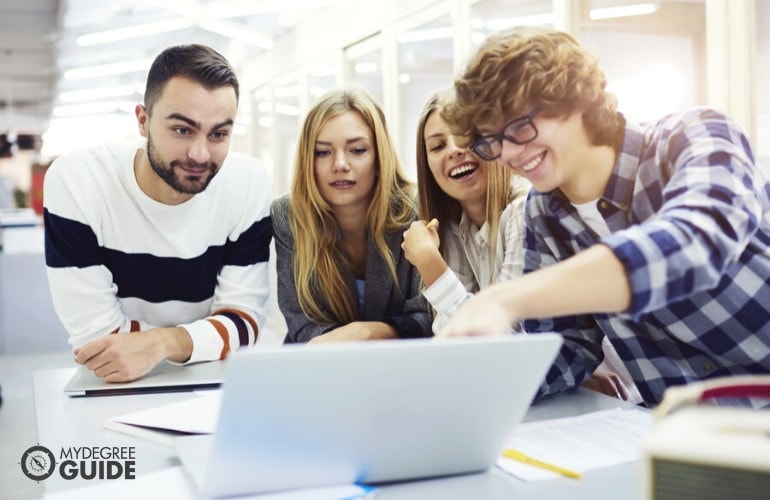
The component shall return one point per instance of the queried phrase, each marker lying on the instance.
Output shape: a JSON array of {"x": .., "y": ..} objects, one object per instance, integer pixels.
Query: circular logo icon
[{"x": 38, "y": 463}]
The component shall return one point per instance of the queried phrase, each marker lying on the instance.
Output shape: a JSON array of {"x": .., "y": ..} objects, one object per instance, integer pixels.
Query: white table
[{"x": 73, "y": 422}]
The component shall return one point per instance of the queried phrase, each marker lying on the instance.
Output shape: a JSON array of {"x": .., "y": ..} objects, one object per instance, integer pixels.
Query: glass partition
[
  {"x": 490, "y": 16},
  {"x": 363, "y": 66},
  {"x": 425, "y": 65},
  {"x": 276, "y": 120},
  {"x": 667, "y": 71}
]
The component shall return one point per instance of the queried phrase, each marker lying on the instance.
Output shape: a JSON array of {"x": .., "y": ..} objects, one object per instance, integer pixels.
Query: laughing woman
[
  {"x": 478, "y": 207},
  {"x": 477, "y": 242},
  {"x": 341, "y": 272}
]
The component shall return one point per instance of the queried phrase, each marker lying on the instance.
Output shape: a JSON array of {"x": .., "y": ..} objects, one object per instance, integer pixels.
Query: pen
[
  {"x": 526, "y": 459},
  {"x": 433, "y": 223}
]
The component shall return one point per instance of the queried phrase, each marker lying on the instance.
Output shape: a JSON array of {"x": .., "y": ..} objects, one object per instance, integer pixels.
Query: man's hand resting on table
[{"x": 124, "y": 357}]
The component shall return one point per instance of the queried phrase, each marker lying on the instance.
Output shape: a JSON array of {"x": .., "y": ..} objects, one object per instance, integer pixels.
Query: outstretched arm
[{"x": 591, "y": 281}]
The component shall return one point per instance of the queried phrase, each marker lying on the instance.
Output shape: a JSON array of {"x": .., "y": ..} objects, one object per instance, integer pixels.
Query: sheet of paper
[
  {"x": 193, "y": 416},
  {"x": 591, "y": 441},
  {"x": 173, "y": 483}
]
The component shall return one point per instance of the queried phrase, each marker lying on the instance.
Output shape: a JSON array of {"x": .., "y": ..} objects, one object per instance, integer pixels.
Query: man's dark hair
[{"x": 199, "y": 63}]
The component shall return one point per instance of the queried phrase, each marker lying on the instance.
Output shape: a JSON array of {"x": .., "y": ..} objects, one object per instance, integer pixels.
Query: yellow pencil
[
  {"x": 433, "y": 223},
  {"x": 526, "y": 459}
]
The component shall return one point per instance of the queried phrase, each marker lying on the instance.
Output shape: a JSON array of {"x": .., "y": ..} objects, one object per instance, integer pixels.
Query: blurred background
[{"x": 73, "y": 71}]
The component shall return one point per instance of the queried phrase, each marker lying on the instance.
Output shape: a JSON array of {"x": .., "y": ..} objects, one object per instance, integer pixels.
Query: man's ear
[{"x": 142, "y": 117}]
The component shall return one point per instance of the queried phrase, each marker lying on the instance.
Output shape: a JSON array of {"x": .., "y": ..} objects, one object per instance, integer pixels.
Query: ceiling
[
  {"x": 27, "y": 57},
  {"x": 39, "y": 45}
]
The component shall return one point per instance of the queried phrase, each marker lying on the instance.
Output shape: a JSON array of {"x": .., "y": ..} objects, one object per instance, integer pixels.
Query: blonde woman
[{"x": 342, "y": 274}]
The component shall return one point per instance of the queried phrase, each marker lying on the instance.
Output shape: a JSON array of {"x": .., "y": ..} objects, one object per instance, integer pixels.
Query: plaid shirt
[{"x": 689, "y": 211}]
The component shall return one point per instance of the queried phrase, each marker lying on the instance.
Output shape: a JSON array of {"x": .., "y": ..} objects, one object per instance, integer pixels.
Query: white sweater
[{"x": 119, "y": 261}]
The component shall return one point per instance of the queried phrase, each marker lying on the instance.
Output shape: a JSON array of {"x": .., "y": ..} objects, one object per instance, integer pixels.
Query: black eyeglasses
[{"x": 519, "y": 131}]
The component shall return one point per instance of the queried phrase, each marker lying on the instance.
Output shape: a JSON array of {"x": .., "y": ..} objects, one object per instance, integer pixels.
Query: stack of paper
[
  {"x": 162, "y": 423},
  {"x": 591, "y": 441}
]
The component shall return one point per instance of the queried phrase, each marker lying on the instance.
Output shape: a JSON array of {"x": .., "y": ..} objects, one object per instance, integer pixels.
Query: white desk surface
[{"x": 73, "y": 422}]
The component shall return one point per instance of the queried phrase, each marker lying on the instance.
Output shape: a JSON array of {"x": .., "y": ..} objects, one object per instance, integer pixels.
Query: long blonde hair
[
  {"x": 320, "y": 265},
  {"x": 502, "y": 185}
]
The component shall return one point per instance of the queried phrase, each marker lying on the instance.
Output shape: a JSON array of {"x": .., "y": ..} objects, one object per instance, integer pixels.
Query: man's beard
[{"x": 181, "y": 183}]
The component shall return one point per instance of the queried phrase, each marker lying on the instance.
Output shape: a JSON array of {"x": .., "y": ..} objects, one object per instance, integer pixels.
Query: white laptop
[
  {"x": 165, "y": 377},
  {"x": 366, "y": 412}
]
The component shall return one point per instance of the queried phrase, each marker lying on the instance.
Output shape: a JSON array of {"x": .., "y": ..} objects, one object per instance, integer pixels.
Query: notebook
[
  {"x": 165, "y": 377},
  {"x": 366, "y": 412}
]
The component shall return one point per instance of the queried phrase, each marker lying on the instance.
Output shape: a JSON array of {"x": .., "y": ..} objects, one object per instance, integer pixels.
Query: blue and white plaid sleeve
[{"x": 709, "y": 212}]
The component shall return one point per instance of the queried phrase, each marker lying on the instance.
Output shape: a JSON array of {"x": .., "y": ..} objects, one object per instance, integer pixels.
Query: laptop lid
[
  {"x": 366, "y": 412},
  {"x": 165, "y": 377}
]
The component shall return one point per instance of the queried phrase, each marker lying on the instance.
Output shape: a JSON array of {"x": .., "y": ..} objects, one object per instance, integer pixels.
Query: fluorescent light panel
[
  {"x": 532, "y": 20},
  {"x": 547, "y": 18},
  {"x": 425, "y": 35},
  {"x": 137, "y": 31},
  {"x": 108, "y": 69},
  {"x": 286, "y": 91},
  {"x": 97, "y": 93},
  {"x": 286, "y": 109},
  {"x": 93, "y": 108},
  {"x": 623, "y": 11},
  {"x": 227, "y": 29},
  {"x": 318, "y": 91},
  {"x": 366, "y": 67},
  {"x": 236, "y": 31}
]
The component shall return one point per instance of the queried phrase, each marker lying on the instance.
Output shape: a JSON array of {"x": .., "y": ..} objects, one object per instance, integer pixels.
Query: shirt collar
[
  {"x": 479, "y": 235},
  {"x": 620, "y": 186}
]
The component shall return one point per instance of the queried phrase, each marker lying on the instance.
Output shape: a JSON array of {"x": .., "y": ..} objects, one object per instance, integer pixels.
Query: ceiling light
[
  {"x": 108, "y": 69},
  {"x": 183, "y": 7},
  {"x": 137, "y": 31},
  {"x": 546, "y": 19},
  {"x": 316, "y": 91},
  {"x": 237, "y": 32},
  {"x": 286, "y": 109},
  {"x": 425, "y": 35},
  {"x": 366, "y": 67},
  {"x": 623, "y": 11},
  {"x": 287, "y": 91},
  {"x": 227, "y": 29},
  {"x": 239, "y": 8},
  {"x": 98, "y": 93},
  {"x": 94, "y": 108},
  {"x": 326, "y": 70}
]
